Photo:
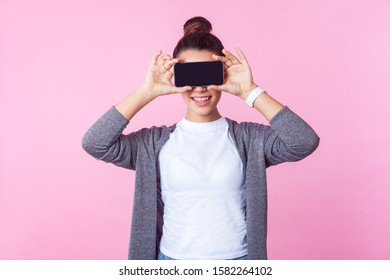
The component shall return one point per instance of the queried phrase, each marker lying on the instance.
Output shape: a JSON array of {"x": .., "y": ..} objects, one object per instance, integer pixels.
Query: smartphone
[{"x": 199, "y": 73}]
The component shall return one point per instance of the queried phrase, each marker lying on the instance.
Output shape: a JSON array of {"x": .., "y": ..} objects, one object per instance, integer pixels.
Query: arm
[
  {"x": 264, "y": 103},
  {"x": 131, "y": 104},
  {"x": 289, "y": 138},
  {"x": 104, "y": 139},
  {"x": 158, "y": 82}
]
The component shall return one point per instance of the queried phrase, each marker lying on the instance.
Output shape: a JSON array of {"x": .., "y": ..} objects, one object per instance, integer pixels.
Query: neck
[{"x": 212, "y": 116}]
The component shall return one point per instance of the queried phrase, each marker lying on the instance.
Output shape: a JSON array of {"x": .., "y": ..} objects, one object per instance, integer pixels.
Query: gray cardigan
[{"x": 289, "y": 138}]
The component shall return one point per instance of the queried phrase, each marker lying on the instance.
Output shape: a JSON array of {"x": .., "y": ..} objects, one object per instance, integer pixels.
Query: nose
[{"x": 199, "y": 89}]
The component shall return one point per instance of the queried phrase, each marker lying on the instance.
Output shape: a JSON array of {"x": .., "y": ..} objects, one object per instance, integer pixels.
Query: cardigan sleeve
[
  {"x": 289, "y": 138},
  {"x": 104, "y": 140}
]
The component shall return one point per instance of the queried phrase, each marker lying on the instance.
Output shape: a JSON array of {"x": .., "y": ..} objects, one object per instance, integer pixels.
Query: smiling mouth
[{"x": 201, "y": 99}]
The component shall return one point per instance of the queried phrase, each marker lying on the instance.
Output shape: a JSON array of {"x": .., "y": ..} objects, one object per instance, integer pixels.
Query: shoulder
[
  {"x": 245, "y": 128},
  {"x": 153, "y": 137},
  {"x": 155, "y": 131}
]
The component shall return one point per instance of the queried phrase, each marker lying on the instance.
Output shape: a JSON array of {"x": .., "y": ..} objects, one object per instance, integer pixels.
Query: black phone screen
[{"x": 200, "y": 73}]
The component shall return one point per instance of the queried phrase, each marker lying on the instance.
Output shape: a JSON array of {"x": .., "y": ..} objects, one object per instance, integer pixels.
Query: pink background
[{"x": 64, "y": 63}]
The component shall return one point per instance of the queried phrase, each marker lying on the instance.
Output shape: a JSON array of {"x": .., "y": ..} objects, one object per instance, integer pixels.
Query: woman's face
[{"x": 201, "y": 103}]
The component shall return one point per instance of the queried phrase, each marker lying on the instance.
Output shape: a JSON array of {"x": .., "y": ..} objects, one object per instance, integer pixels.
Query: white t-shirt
[{"x": 203, "y": 190}]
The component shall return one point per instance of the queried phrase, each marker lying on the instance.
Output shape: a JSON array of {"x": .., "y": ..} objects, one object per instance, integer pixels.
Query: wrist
[
  {"x": 145, "y": 94},
  {"x": 253, "y": 95},
  {"x": 247, "y": 91}
]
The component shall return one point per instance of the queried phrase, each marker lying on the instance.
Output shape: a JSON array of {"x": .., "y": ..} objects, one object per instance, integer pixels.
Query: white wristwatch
[{"x": 253, "y": 95}]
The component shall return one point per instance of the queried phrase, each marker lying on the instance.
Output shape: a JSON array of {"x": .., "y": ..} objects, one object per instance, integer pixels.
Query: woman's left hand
[{"x": 238, "y": 75}]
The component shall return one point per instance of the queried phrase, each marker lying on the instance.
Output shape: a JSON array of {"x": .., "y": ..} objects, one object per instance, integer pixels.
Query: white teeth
[{"x": 201, "y": 99}]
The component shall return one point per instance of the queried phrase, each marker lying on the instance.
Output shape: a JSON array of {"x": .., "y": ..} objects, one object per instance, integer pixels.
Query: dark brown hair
[{"x": 197, "y": 36}]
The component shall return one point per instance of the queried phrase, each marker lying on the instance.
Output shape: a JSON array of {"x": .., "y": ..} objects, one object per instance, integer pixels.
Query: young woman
[{"x": 200, "y": 186}]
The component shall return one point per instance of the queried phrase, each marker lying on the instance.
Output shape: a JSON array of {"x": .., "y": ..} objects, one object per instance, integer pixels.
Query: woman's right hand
[{"x": 158, "y": 80}]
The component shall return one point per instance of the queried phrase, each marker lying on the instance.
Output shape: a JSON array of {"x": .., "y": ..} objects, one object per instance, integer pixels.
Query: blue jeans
[{"x": 161, "y": 256}]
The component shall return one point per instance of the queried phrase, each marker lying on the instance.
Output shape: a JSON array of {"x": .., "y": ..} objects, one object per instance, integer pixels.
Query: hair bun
[{"x": 197, "y": 24}]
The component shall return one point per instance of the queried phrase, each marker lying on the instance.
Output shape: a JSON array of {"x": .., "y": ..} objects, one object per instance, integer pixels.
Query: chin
[{"x": 202, "y": 103}]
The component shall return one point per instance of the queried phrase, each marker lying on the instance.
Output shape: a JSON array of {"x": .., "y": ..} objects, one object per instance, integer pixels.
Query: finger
[
  {"x": 226, "y": 62},
  {"x": 155, "y": 58},
  {"x": 231, "y": 56},
  {"x": 163, "y": 59},
  {"x": 242, "y": 56},
  {"x": 169, "y": 62},
  {"x": 162, "y": 62}
]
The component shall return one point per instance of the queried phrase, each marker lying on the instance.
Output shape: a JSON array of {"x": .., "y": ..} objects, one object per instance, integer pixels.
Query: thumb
[
  {"x": 180, "y": 89},
  {"x": 219, "y": 88}
]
